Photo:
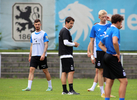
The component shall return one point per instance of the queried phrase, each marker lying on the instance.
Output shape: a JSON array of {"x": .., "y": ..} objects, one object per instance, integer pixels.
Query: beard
[{"x": 37, "y": 28}]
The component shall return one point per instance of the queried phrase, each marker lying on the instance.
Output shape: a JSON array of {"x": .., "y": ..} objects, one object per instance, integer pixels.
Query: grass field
[{"x": 11, "y": 89}]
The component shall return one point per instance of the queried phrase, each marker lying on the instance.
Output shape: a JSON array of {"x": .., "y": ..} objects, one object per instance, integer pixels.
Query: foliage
[{"x": 56, "y": 27}]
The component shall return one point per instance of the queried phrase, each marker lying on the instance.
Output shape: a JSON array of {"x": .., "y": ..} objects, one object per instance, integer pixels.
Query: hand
[
  {"x": 118, "y": 56},
  {"x": 42, "y": 57},
  {"x": 76, "y": 44},
  {"x": 93, "y": 59},
  {"x": 108, "y": 18},
  {"x": 29, "y": 58},
  {"x": 88, "y": 54}
]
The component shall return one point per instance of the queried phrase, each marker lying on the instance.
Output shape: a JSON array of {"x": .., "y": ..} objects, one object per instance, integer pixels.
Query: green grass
[{"x": 11, "y": 89}]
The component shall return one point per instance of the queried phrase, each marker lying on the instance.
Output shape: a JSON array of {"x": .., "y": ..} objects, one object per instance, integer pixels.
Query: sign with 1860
[{"x": 23, "y": 18}]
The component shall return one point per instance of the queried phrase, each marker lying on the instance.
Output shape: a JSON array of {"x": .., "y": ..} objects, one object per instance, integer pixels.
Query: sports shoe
[
  {"x": 103, "y": 95},
  {"x": 63, "y": 93},
  {"x": 49, "y": 89},
  {"x": 26, "y": 89},
  {"x": 112, "y": 96},
  {"x": 73, "y": 93},
  {"x": 90, "y": 89}
]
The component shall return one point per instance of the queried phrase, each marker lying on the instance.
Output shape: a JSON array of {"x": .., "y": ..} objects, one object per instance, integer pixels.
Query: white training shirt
[{"x": 37, "y": 40}]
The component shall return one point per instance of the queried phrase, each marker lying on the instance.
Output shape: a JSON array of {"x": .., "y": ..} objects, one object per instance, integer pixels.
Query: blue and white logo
[{"x": 83, "y": 19}]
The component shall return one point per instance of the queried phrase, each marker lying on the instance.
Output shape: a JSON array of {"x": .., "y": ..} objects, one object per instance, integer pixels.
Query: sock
[
  {"x": 49, "y": 84},
  {"x": 64, "y": 88},
  {"x": 121, "y": 98},
  {"x": 29, "y": 83},
  {"x": 105, "y": 83},
  {"x": 71, "y": 87},
  {"x": 107, "y": 98},
  {"x": 94, "y": 85},
  {"x": 101, "y": 89}
]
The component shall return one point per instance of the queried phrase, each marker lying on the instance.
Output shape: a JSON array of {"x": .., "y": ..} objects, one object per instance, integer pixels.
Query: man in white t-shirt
[{"x": 38, "y": 55}]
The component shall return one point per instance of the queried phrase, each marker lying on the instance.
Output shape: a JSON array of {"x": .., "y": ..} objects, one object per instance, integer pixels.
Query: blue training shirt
[
  {"x": 98, "y": 31},
  {"x": 107, "y": 39}
]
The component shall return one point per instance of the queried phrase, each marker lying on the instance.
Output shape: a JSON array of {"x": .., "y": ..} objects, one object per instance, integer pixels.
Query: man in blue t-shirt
[
  {"x": 97, "y": 32},
  {"x": 110, "y": 44}
]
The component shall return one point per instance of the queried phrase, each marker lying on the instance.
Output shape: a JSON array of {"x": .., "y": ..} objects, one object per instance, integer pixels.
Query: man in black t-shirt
[{"x": 66, "y": 56}]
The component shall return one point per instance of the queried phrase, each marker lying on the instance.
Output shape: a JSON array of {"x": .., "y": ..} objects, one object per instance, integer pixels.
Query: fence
[{"x": 55, "y": 53}]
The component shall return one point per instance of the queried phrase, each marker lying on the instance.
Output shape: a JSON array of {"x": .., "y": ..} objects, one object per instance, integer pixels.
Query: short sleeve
[
  {"x": 116, "y": 33},
  {"x": 65, "y": 35},
  {"x": 92, "y": 33},
  {"x": 46, "y": 38},
  {"x": 109, "y": 24},
  {"x": 31, "y": 39}
]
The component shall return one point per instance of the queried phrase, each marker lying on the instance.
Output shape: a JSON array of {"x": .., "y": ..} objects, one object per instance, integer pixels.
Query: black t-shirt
[{"x": 63, "y": 49}]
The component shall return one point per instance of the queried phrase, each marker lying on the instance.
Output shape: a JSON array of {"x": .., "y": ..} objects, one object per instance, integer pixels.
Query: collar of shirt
[
  {"x": 113, "y": 26},
  {"x": 66, "y": 28},
  {"x": 37, "y": 32}
]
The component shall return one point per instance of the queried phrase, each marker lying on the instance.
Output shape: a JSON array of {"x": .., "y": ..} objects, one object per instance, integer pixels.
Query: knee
[
  {"x": 100, "y": 72},
  {"x": 126, "y": 82},
  {"x": 31, "y": 70},
  {"x": 45, "y": 71},
  {"x": 96, "y": 71}
]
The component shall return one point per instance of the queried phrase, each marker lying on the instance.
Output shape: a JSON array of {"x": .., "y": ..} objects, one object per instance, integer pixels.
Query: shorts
[
  {"x": 67, "y": 65},
  {"x": 99, "y": 59},
  {"x": 112, "y": 68},
  {"x": 35, "y": 62}
]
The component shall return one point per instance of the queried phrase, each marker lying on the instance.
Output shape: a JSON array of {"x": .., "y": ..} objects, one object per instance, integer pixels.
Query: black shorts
[
  {"x": 112, "y": 68},
  {"x": 99, "y": 59},
  {"x": 67, "y": 65},
  {"x": 35, "y": 62}
]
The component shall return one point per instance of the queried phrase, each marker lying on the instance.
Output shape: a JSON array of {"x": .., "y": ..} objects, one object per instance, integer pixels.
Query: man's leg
[
  {"x": 104, "y": 80},
  {"x": 30, "y": 79},
  {"x": 96, "y": 76},
  {"x": 63, "y": 80},
  {"x": 109, "y": 83},
  {"x": 101, "y": 80},
  {"x": 95, "y": 81},
  {"x": 70, "y": 81},
  {"x": 47, "y": 74},
  {"x": 122, "y": 88}
]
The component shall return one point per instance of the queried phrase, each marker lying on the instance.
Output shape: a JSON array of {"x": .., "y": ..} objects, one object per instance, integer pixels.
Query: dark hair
[
  {"x": 37, "y": 20},
  {"x": 68, "y": 19},
  {"x": 116, "y": 18}
]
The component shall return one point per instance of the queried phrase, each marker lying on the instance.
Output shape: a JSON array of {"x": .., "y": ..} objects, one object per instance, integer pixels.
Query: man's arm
[
  {"x": 116, "y": 47},
  {"x": 67, "y": 43},
  {"x": 45, "y": 50},
  {"x": 102, "y": 46},
  {"x": 92, "y": 50},
  {"x": 30, "y": 52},
  {"x": 88, "y": 50}
]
